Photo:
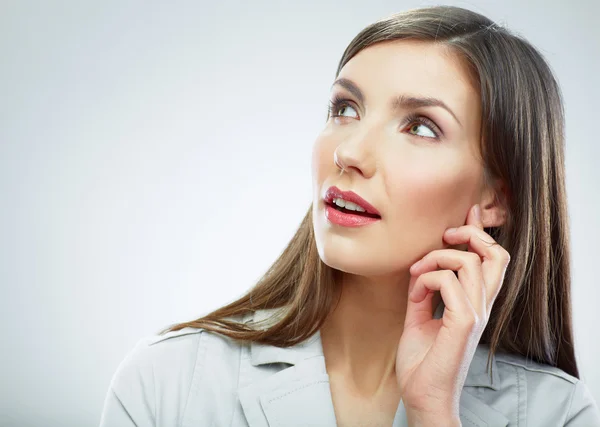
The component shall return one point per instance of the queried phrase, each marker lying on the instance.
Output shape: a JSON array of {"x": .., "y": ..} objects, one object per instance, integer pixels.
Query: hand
[{"x": 434, "y": 354}]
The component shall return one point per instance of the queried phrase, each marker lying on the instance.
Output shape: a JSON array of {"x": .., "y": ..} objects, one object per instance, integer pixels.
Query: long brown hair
[{"x": 523, "y": 145}]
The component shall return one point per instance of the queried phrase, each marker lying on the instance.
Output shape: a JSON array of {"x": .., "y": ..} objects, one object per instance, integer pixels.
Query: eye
[
  {"x": 422, "y": 127},
  {"x": 424, "y": 130},
  {"x": 341, "y": 108},
  {"x": 346, "y": 109}
]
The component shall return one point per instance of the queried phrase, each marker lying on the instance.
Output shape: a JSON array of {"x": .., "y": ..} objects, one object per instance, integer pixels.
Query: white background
[{"x": 155, "y": 160}]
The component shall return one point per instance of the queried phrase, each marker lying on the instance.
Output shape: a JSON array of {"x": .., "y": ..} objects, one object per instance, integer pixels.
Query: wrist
[{"x": 437, "y": 419}]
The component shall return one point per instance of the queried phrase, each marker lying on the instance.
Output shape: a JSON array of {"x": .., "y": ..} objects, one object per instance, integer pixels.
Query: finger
[
  {"x": 460, "y": 324},
  {"x": 458, "y": 308},
  {"x": 474, "y": 217},
  {"x": 480, "y": 241},
  {"x": 468, "y": 267},
  {"x": 418, "y": 312},
  {"x": 494, "y": 257}
]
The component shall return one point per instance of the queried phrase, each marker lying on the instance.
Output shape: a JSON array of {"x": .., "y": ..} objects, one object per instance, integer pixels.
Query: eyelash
[
  {"x": 414, "y": 118},
  {"x": 338, "y": 102}
]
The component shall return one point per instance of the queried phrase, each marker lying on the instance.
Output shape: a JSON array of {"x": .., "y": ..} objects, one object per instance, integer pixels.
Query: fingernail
[
  {"x": 477, "y": 212},
  {"x": 451, "y": 230},
  {"x": 415, "y": 265}
]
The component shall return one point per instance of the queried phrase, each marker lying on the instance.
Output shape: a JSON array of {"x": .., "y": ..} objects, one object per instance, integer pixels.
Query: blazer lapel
[
  {"x": 474, "y": 412},
  {"x": 299, "y": 393},
  {"x": 296, "y": 396}
]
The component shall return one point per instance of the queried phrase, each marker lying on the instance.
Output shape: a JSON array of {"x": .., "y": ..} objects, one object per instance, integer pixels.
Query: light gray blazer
[{"x": 195, "y": 378}]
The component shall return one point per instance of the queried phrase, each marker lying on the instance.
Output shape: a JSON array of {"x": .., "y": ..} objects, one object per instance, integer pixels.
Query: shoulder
[
  {"x": 160, "y": 363},
  {"x": 154, "y": 354},
  {"x": 173, "y": 357},
  {"x": 155, "y": 379},
  {"x": 547, "y": 392},
  {"x": 536, "y": 373}
]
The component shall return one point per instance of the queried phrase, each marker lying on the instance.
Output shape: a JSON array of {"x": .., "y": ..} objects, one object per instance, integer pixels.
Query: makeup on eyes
[
  {"x": 338, "y": 101},
  {"x": 415, "y": 118}
]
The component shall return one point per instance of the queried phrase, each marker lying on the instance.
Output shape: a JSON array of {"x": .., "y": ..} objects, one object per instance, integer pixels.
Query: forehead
[{"x": 419, "y": 68}]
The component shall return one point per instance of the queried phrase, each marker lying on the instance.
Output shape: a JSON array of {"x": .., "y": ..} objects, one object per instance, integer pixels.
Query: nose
[{"x": 356, "y": 155}]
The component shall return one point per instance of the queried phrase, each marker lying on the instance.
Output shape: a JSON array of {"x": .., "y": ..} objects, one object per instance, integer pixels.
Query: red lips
[{"x": 350, "y": 196}]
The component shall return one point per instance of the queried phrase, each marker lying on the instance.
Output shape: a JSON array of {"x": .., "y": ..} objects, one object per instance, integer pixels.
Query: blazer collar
[
  {"x": 299, "y": 395},
  {"x": 477, "y": 376},
  {"x": 264, "y": 354}
]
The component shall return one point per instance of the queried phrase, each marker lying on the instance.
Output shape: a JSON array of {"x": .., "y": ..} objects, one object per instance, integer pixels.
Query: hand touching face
[
  {"x": 403, "y": 134},
  {"x": 434, "y": 354}
]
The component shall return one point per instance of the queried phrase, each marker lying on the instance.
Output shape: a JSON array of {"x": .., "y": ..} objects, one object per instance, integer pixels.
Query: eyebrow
[{"x": 402, "y": 101}]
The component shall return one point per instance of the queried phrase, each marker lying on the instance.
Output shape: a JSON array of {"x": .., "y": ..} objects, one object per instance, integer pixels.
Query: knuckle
[
  {"x": 448, "y": 276},
  {"x": 502, "y": 254},
  {"x": 423, "y": 279},
  {"x": 471, "y": 228},
  {"x": 474, "y": 258},
  {"x": 426, "y": 257},
  {"x": 471, "y": 321},
  {"x": 418, "y": 282}
]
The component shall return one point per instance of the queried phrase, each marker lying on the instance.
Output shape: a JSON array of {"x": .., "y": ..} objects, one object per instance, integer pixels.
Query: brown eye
[
  {"x": 346, "y": 109},
  {"x": 420, "y": 129},
  {"x": 341, "y": 107}
]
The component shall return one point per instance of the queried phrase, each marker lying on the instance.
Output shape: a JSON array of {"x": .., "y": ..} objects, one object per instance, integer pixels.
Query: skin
[{"x": 380, "y": 341}]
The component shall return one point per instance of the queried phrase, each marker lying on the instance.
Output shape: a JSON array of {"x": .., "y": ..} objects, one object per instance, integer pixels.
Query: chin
[
  {"x": 365, "y": 251},
  {"x": 347, "y": 255}
]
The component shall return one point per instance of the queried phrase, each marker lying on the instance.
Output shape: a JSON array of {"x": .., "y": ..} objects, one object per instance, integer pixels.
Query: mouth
[
  {"x": 350, "y": 203},
  {"x": 335, "y": 205}
]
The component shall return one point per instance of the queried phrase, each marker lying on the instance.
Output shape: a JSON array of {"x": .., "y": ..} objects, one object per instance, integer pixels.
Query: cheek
[{"x": 434, "y": 195}]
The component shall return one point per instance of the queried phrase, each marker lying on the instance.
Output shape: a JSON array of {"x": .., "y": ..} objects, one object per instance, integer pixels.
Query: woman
[{"x": 395, "y": 303}]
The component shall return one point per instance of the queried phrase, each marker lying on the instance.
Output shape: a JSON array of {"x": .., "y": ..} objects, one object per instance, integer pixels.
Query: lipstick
[{"x": 348, "y": 209}]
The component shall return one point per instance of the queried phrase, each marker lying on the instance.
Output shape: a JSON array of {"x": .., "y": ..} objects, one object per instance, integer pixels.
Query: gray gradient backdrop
[{"x": 155, "y": 159}]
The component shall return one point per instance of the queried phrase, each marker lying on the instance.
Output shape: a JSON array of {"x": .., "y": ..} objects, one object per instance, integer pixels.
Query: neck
[{"x": 360, "y": 336}]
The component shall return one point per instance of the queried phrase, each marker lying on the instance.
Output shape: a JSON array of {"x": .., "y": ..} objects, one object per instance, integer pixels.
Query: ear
[{"x": 494, "y": 202}]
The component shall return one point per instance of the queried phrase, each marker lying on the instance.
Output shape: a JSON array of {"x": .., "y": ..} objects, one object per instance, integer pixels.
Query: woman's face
[{"x": 404, "y": 136}]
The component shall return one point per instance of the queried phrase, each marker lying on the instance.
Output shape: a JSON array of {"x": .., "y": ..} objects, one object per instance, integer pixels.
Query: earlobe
[
  {"x": 493, "y": 209},
  {"x": 493, "y": 216}
]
